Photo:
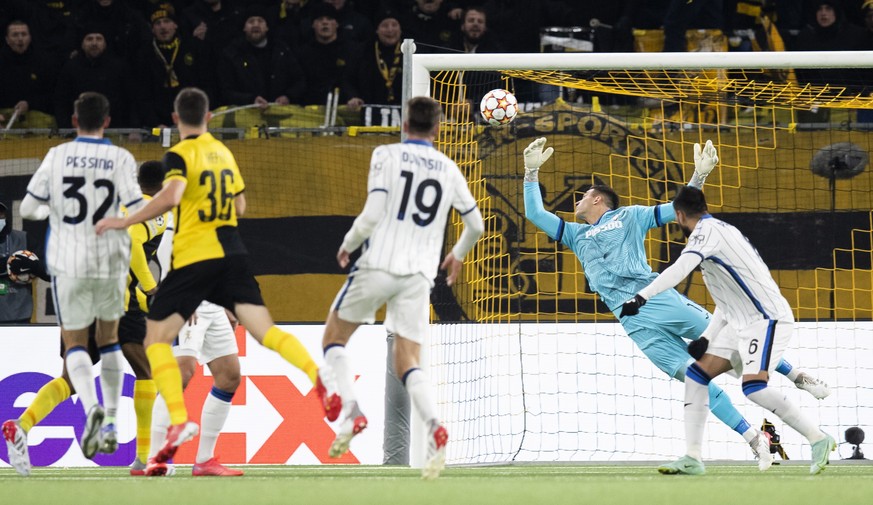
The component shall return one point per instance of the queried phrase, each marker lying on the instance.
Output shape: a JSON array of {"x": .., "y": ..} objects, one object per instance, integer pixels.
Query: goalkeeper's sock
[
  {"x": 168, "y": 378},
  {"x": 160, "y": 425},
  {"x": 111, "y": 379},
  {"x": 47, "y": 398},
  {"x": 144, "y": 392},
  {"x": 418, "y": 386},
  {"x": 721, "y": 406},
  {"x": 776, "y": 402},
  {"x": 696, "y": 409},
  {"x": 336, "y": 358},
  {"x": 787, "y": 370},
  {"x": 292, "y": 350},
  {"x": 212, "y": 418},
  {"x": 79, "y": 369}
]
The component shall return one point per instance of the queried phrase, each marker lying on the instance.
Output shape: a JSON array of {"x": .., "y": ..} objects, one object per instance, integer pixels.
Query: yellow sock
[
  {"x": 49, "y": 396},
  {"x": 168, "y": 378},
  {"x": 144, "y": 392},
  {"x": 292, "y": 350}
]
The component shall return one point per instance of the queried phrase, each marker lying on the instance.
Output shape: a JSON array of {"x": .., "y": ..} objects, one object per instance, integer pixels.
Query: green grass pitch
[{"x": 735, "y": 484}]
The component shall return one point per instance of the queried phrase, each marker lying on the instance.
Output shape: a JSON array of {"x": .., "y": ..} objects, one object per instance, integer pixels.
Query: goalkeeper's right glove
[
  {"x": 705, "y": 160},
  {"x": 632, "y": 306},
  {"x": 534, "y": 157}
]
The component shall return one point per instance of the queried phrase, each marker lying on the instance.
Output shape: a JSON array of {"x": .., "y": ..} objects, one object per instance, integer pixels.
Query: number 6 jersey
[
  {"x": 422, "y": 185},
  {"x": 205, "y": 219},
  {"x": 82, "y": 182}
]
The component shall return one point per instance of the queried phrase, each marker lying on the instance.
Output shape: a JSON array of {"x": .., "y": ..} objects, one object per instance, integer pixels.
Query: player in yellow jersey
[{"x": 204, "y": 188}]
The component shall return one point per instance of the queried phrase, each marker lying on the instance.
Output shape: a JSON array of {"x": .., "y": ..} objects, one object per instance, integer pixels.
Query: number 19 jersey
[
  {"x": 422, "y": 185},
  {"x": 205, "y": 219},
  {"x": 82, "y": 182}
]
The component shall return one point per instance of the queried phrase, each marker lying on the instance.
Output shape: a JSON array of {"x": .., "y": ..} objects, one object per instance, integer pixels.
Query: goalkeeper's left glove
[
  {"x": 705, "y": 160},
  {"x": 534, "y": 157},
  {"x": 697, "y": 348},
  {"x": 23, "y": 264},
  {"x": 632, "y": 306}
]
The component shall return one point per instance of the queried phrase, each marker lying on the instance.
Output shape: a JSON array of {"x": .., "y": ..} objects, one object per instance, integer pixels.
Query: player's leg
[
  {"x": 220, "y": 352},
  {"x": 131, "y": 335},
  {"x": 258, "y": 321},
  {"x": 111, "y": 381},
  {"x": 337, "y": 333},
  {"x": 760, "y": 345},
  {"x": 803, "y": 380}
]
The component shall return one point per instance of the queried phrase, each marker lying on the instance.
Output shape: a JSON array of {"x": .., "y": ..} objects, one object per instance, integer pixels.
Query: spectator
[
  {"x": 258, "y": 70},
  {"x": 353, "y": 25},
  {"x": 474, "y": 36},
  {"x": 51, "y": 25},
  {"x": 326, "y": 58},
  {"x": 125, "y": 29},
  {"x": 93, "y": 69},
  {"x": 520, "y": 21},
  {"x": 167, "y": 64},
  {"x": 829, "y": 31},
  {"x": 16, "y": 300},
  {"x": 215, "y": 22},
  {"x": 867, "y": 11},
  {"x": 377, "y": 76},
  {"x": 287, "y": 21},
  {"x": 428, "y": 22},
  {"x": 27, "y": 78},
  {"x": 683, "y": 15}
]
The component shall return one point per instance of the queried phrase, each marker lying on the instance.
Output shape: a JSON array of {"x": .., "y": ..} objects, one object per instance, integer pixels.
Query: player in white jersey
[
  {"x": 412, "y": 187},
  {"x": 749, "y": 331},
  {"x": 207, "y": 338},
  {"x": 77, "y": 184}
]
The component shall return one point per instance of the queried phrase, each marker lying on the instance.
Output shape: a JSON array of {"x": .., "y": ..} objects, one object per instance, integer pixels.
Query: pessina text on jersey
[{"x": 89, "y": 162}]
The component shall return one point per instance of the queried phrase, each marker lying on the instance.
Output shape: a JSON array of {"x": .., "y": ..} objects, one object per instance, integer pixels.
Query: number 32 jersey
[
  {"x": 82, "y": 182},
  {"x": 422, "y": 185},
  {"x": 205, "y": 219}
]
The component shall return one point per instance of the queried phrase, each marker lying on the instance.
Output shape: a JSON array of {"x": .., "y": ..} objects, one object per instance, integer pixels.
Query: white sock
[
  {"x": 418, "y": 387},
  {"x": 82, "y": 377},
  {"x": 696, "y": 412},
  {"x": 214, "y": 414},
  {"x": 750, "y": 435},
  {"x": 337, "y": 358},
  {"x": 160, "y": 425},
  {"x": 778, "y": 404},
  {"x": 111, "y": 379}
]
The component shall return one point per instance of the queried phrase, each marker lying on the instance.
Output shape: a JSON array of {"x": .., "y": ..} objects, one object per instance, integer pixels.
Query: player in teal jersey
[{"x": 611, "y": 249}]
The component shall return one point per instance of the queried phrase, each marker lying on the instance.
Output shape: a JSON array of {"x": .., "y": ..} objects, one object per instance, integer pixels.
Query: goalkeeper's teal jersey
[{"x": 611, "y": 251}]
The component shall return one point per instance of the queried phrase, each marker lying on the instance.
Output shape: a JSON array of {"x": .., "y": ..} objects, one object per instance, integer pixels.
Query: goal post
[{"x": 527, "y": 362}]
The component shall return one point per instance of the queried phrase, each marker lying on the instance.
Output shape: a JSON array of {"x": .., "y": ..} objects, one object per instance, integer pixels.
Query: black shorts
[
  {"x": 132, "y": 327},
  {"x": 93, "y": 350},
  {"x": 223, "y": 281}
]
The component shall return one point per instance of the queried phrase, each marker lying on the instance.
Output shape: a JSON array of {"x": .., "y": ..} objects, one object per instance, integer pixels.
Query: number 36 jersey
[
  {"x": 422, "y": 185},
  {"x": 205, "y": 219},
  {"x": 82, "y": 182}
]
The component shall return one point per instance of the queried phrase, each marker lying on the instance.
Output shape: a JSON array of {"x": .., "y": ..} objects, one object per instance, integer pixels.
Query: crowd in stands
[{"x": 139, "y": 53}]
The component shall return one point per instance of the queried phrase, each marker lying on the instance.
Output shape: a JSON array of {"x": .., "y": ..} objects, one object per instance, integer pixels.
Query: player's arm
[
  {"x": 534, "y": 157},
  {"x": 33, "y": 209},
  {"x": 139, "y": 263},
  {"x": 239, "y": 203},
  {"x": 35, "y": 204},
  {"x": 364, "y": 224},
  {"x": 705, "y": 160},
  {"x": 474, "y": 227},
  {"x": 669, "y": 278},
  {"x": 168, "y": 197}
]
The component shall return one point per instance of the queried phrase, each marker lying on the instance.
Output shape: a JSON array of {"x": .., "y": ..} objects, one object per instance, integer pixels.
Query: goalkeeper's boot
[
  {"x": 821, "y": 452},
  {"x": 436, "y": 452},
  {"x": 91, "y": 434},
  {"x": 331, "y": 402},
  {"x": 353, "y": 424},
  {"x": 813, "y": 386},
  {"x": 686, "y": 465},
  {"x": 108, "y": 439},
  {"x": 213, "y": 468},
  {"x": 16, "y": 447},
  {"x": 137, "y": 468},
  {"x": 761, "y": 448},
  {"x": 177, "y": 435}
]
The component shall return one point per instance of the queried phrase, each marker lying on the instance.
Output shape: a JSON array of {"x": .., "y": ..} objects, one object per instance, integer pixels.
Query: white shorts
[
  {"x": 407, "y": 298},
  {"x": 755, "y": 348},
  {"x": 79, "y": 301},
  {"x": 211, "y": 337}
]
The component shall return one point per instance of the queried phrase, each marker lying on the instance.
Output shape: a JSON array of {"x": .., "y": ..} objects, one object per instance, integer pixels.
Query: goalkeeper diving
[{"x": 610, "y": 246}]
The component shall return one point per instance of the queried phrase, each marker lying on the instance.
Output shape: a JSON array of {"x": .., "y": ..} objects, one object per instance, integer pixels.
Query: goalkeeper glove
[
  {"x": 632, "y": 306},
  {"x": 22, "y": 264},
  {"x": 705, "y": 160},
  {"x": 534, "y": 157},
  {"x": 697, "y": 348}
]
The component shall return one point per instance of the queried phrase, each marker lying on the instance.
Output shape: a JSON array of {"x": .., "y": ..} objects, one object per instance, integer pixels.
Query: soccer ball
[
  {"x": 498, "y": 107},
  {"x": 24, "y": 277}
]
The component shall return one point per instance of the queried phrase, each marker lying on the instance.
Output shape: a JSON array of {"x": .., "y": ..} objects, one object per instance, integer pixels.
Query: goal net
[{"x": 528, "y": 363}]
